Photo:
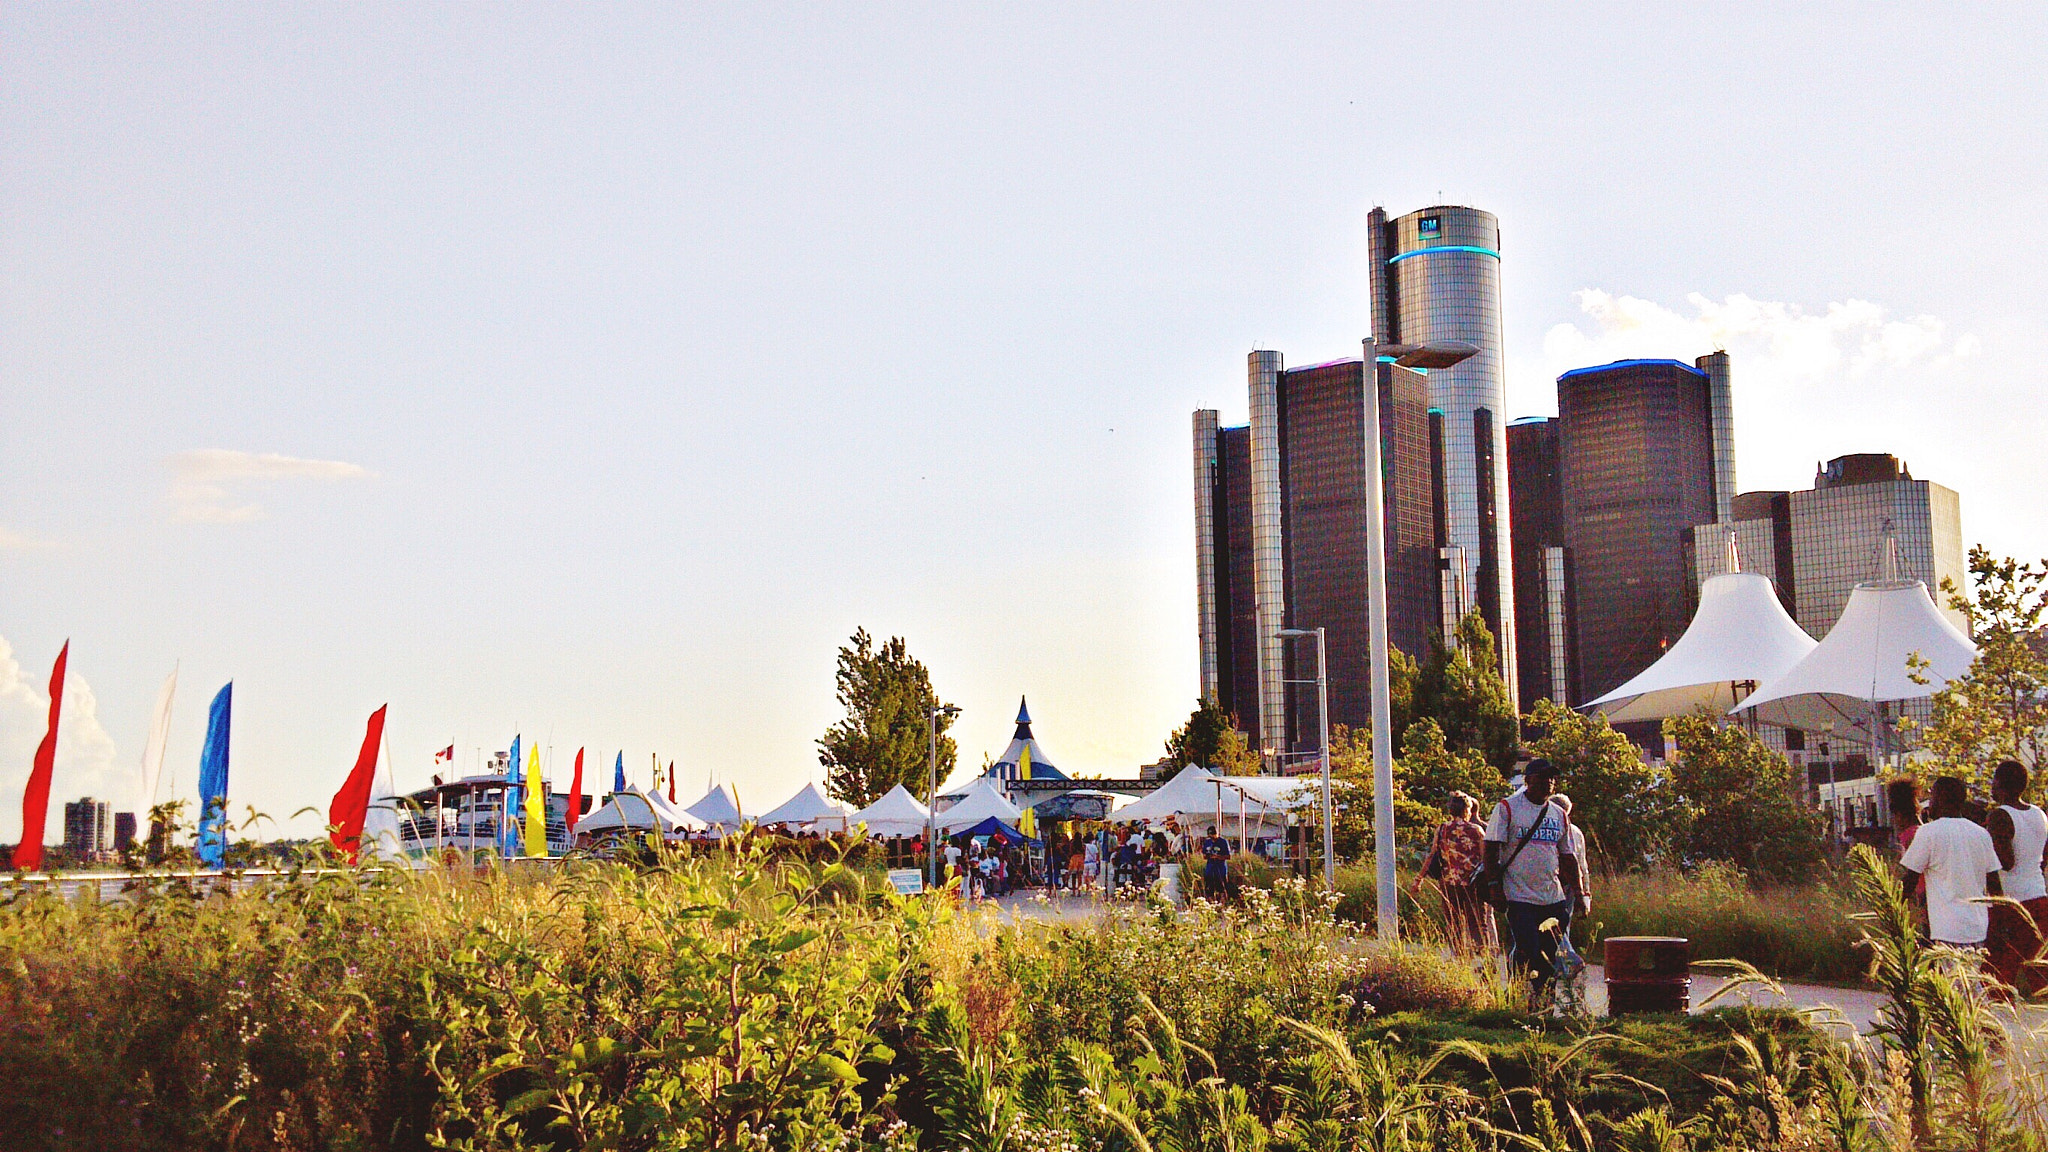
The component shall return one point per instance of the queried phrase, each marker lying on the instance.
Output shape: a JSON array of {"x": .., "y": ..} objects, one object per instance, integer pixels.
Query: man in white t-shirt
[
  {"x": 1960, "y": 864},
  {"x": 1528, "y": 848}
]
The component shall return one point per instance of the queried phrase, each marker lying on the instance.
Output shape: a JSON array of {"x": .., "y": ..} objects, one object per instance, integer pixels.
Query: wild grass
[{"x": 1793, "y": 932}]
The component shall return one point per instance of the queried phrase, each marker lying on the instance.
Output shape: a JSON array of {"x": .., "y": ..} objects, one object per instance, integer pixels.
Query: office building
[
  {"x": 1542, "y": 588},
  {"x": 88, "y": 823},
  {"x": 1435, "y": 276},
  {"x": 1281, "y": 524},
  {"x": 1841, "y": 527},
  {"x": 1636, "y": 469},
  {"x": 1762, "y": 524},
  {"x": 124, "y": 830}
]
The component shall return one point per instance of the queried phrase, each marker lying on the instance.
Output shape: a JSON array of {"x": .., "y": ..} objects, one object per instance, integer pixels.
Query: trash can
[{"x": 1647, "y": 973}]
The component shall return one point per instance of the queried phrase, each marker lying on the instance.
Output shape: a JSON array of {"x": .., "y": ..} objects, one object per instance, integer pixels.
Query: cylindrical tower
[
  {"x": 1269, "y": 573},
  {"x": 1205, "y": 553},
  {"x": 1441, "y": 270},
  {"x": 1722, "y": 400}
]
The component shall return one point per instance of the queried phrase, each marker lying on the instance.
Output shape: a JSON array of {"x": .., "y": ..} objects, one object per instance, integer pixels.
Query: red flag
[
  {"x": 35, "y": 799},
  {"x": 352, "y": 804},
  {"x": 671, "y": 781},
  {"x": 447, "y": 753},
  {"x": 576, "y": 793}
]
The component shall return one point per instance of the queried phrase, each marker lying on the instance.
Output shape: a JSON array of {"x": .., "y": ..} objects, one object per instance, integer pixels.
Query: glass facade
[
  {"x": 1839, "y": 530},
  {"x": 1536, "y": 515},
  {"x": 1224, "y": 585}
]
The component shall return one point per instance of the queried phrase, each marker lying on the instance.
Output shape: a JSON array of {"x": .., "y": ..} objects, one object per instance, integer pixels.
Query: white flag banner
[{"x": 159, "y": 733}]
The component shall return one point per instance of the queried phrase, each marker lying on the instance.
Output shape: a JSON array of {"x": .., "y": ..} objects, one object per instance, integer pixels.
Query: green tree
[
  {"x": 1211, "y": 739},
  {"x": 1425, "y": 774},
  {"x": 1460, "y": 687},
  {"x": 1430, "y": 770},
  {"x": 1744, "y": 809},
  {"x": 1998, "y": 710},
  {"x": 1624, "y": 805},
  {"x": 884, "y": 740}
]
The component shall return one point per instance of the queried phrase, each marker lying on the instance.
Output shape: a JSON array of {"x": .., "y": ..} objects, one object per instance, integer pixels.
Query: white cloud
[
  {"x": 85, "y": 753},
  {"x": 205, "y": 481}
]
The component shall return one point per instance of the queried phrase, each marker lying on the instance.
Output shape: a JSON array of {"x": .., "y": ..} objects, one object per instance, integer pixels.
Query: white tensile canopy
[
  {"x": 1739, "y": 639},
  {"x": 806, "y": 807},
  {"x": 897, "y": 813},
  {"x": 640, "y": 811},
  {"x": 1196, "y": 792},
  {"x": 1117, "y": 800},
  {"x": 717, "y": 809},
  {"x": 980, "y": 801},
  {"x": 1863, "y": 661}
]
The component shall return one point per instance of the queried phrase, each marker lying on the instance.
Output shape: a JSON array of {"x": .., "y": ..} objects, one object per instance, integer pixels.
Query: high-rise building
[
  {"x": 1435, "y": 276},
  {"x": 1858, "y": 506},
  {"x": 1281, "y": 540},
  {"x": 1762, "y": 524},
  {"x": 87, "y": 825},
  {"x": 1636, "y": 463},
  {"x": 124, "y": 830},
  {"x": 1542, "y": 588}
]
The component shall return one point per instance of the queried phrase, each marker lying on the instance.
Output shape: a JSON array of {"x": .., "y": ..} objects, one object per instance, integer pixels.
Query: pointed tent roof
[
  {"x": 1863, "y": 661},
  {"x": 1194, "y": 793},
  {"x": 635, "y": 808},
  {"x": 1005, "y": 766},
  {"x": 896, "y": 814},
  {"x": 717, "y": 808},
  {"x": 981, "y": 800},
  {"x": 806, "y": 806},
  {"x": 1740, "y": 636}
]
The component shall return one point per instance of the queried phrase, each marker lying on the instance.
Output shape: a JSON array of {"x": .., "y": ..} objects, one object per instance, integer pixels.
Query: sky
[{"x": 592, "y": 372}]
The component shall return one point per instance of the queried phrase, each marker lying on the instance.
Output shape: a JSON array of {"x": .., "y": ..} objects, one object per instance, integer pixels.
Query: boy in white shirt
[{"x": 1961, "y": 866}]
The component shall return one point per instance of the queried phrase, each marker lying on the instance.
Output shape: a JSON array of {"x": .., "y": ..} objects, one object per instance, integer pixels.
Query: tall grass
[{"x": 1792, "y": 932}]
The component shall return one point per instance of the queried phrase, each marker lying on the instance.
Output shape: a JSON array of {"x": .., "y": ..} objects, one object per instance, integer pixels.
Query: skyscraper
[
  {"x": 1542, "y": 588},
  {"x": 1840, "y": 529},
  {"x": 1636, "y": 465},
  {"x": 1281, "y": 539},
  {"x": 1762, "y": 523},
  {"x": 1435, "y": 276},
  {"x": 87, "y": 825}
]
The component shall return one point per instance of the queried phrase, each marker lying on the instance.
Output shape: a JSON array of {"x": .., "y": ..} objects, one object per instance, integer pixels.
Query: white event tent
[
  {"x": 1863, "y": 662},
  {"x": 640, "y": 811},
  {"x": 717, "y": 809},
  {"x": 897, "y": 813},
  {"x": 808, "y": 806},
  {"x": 1197, "y": 794},
  {"x": 980, "y": 800},
  {"x": 1739, "y": 640}
]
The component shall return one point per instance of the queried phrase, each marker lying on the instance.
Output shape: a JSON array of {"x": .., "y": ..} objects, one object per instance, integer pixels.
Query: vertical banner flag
[
  {"x": 351, "y": 804},
  {"x": 619, "y": 773},
  {"x": 536, "y": 806},
  {"x": 213, "y": 780},
  {"x": 508, "y": 840},
  {"x": 1028, "y": 822},
  {"x": 671, "y": 781},
  {"x": 575, "y": 796},
  {"x": 159, "y": 735},
  {"x": 35, "y": 799}
]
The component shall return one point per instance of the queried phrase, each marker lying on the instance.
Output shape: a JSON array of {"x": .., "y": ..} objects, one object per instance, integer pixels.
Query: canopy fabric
[
  {"x": 981, "y": 801},
  {"x": 807, "y": 806},
  {"x": 1117, "y": 800},
  {"x": 638, "y": 810},
  {"x": 1863, "y": 661},
  {"x": 1195, "y": 792},
  {"x": 995, "y": 827},
  {"x": 717, "y": 808},
  {"x": 897, "y": 813},
  {"x": 1739, "y": 639}
]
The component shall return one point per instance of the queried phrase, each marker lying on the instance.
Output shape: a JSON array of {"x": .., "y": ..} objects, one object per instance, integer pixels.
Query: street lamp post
[
  {"x": 931, "y": 795},
  {"x": 1323, "y": 722}
]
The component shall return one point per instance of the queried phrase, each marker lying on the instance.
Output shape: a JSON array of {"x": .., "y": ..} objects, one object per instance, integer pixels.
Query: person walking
[
  {"x": 1457, "y": 852},
  {"x": 1215, "y": 865},
  {"x": 1960, "y": 865},
  {"x": 2019, "y": 834},
  {"x": 1530, "y": 867}
]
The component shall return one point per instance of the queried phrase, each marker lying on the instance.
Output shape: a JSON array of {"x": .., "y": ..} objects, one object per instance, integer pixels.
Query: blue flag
[
  {"x": 619, "y": 774},
  {"x": 508, "y": 820},
  {"x": 213, "y": 781}
]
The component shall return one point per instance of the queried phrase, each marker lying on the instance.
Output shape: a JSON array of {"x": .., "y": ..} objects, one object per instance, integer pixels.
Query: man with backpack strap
[{"x": 1532, "y": 872}]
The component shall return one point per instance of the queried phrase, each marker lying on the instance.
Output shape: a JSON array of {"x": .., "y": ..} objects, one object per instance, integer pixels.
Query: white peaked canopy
[
  {"x": 981, "y": 800},
  {"x": 807, "y": 806},
  {"x": 638, "y": 810},
  {"x": 717, "y": 809},
  {"x": 896, "y": 814},
  {"x": 1193, "y": 795},
  {"x": 1863, "y": 661},
  {"x": 1740, "y": 639}
]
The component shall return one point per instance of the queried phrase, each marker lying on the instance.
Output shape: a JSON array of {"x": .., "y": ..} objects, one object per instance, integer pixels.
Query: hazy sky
[{"x": 592, "y": 372}]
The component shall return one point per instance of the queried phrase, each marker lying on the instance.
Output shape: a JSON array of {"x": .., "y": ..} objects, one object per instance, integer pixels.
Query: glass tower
[{"x": 1436, "y": 277}]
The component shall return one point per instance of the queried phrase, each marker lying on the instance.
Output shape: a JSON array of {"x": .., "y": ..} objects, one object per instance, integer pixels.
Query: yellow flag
[
  {"x": 1028, "y": 825},
  {"x": 536, "y": 806}
]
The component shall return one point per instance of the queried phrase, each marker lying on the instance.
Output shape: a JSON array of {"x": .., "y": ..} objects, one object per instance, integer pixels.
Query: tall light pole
[
  {"x": 931, "y": 796},
  {"x": 1323, "y": 722}
]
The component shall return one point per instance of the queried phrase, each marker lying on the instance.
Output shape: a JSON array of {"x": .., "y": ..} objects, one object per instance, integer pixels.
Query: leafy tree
[
  {"x": 1743, "y": 806},
  {"x": 884, "y": 740},
  {"x": 1425, "y": 774},
  {"x": 1624, "y": 805},
  {"x": 1998, "y": 710},
  {"x": 1211, "y": 739},
  {"x": 1430, "y": 770},
  {"x": 1460, "y": 687}
]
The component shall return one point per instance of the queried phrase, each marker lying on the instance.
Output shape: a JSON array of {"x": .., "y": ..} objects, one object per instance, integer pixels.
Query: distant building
[
  {"x": 124, "y": 830},
  {"x": 1762, "y": 523},
  {"x": 1281, "y": 524},
  {"x": 1435, "y": 276},
  {"x": 1636, "y": 467},
  {"x": 88, "y": 825},
  {"x": 1542, "y": 577},
  {"x": 1840, "y": 529}
]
